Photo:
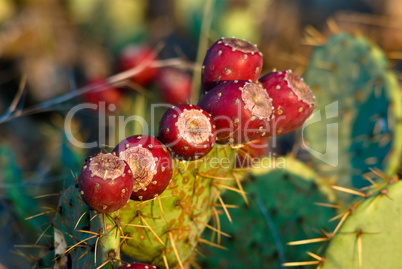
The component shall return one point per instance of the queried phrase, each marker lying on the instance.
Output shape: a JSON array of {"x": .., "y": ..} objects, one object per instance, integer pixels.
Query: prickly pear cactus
[
  {"x": 350, "y": 80},
  {"x": 280, "y": 210},
  {"x": 164, "y": 231},
  {"x": 369, "y": 237}
]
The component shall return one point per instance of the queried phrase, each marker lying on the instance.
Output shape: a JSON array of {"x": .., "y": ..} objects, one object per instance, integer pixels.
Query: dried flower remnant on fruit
[
  {"x": 142, "y": 164},
  {"x": 241, "y": 45},
  {"x": 299, "y": 87},
  {"x": 150, "y": 162},
  {"x": 194, "y": 126},
  {"x": 257, "y": 100},
  {"x": 106, "y": 167}
]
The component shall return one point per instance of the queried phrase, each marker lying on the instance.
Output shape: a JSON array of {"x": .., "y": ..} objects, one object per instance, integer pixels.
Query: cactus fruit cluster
[{"x": 175, "y": 181}]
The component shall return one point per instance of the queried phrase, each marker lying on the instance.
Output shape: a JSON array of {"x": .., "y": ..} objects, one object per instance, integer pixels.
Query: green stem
[
  {"x": 108, "y": 247},
  {"x": 139, "y": 110},
  {"x": 202, "y": 47}
]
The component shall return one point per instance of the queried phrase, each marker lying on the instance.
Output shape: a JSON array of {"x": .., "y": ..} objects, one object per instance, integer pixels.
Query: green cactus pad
[
  {"x": 371, "y": 230},
  {"x": 281, "y": 210},
  {"x": 187, "y": 205},
  {"x": 352, "y": 84},
  {"x": 74, "y": 216}
]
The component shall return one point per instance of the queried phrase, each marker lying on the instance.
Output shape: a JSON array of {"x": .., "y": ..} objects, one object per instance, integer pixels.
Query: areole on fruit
[
  {"x": 241, "y": 111},
  {"x": 188, "y": 131},
  {"x": 105, "y": 182},
  {"x": 150, "y": 163}
]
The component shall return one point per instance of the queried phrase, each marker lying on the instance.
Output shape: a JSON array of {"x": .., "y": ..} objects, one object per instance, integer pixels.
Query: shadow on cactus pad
[{"x": 281, "y": 210}]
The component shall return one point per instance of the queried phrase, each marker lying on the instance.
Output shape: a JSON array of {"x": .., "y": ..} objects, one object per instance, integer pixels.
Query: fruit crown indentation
[
  {"x": 257, "y": 100},
  {"x": 194, "y": 126},
  {"x": 106, "y": 166},
  {"x": 142, "y": 164}
]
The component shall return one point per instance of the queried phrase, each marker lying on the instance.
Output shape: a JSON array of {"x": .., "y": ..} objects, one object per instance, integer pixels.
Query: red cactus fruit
[
  {"x": 230, "y": 59},
  {"x": 102, "y": 92},
  {"x": 136, "y": 56},
  {"x": 241, "y": 111},
  {"x": 293, "y": 101},
  {"x": 137, "y": 266},
  {"x": 105, "y": 183},
  {"x": 188, "y": 131},
  {"x": 150, "y": 163},
  {"x": 251, "y": 152},
  {"x": 175, "y": 85}
]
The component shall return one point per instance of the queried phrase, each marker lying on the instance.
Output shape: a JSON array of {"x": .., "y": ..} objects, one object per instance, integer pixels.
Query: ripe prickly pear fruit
[
  {"x": 150, "y": 163},
  {"x": 188, "y": 131},
  {"x": 137, "y": 266},
  {"x": 175, "y": 85},
  {"x": 230, "y": 59},
  {"x": 105, "y": 183},
  {"x": 293, "y": 101},
  {"x": 136, "y": 56},
  {"x": 241, "y": 111},
  {"x": 251, "y": 152}
]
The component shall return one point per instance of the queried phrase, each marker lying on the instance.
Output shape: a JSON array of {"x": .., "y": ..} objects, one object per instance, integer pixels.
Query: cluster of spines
[{"x": 368, "y": 197}]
